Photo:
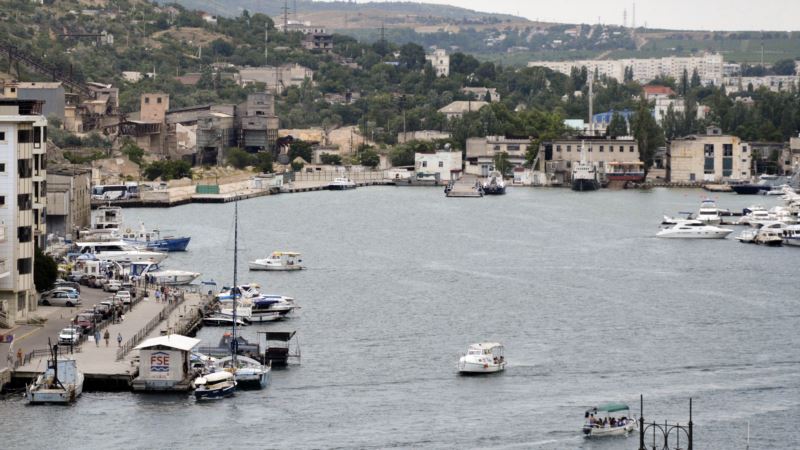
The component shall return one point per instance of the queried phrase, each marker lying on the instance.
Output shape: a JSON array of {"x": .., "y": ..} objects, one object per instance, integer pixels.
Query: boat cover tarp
[{"x": 613, "y": 407}]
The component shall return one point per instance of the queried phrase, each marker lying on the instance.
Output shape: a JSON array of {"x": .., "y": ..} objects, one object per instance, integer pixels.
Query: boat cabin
[{"x": 279, "y": 348}]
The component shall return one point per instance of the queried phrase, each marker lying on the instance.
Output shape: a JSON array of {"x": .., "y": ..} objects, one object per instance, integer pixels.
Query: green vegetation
[
  {"x": 240, "y": 159},
  {"x": 501, "y": 163},
  {"x": 168, "y": 170},
  {"x": 649, "y": 136},
  {"x": 332, "y": 159},
  {"x": 369, "y": 158},
  {"x": 132, "y": 151},
  {"x": 45, "y": 270}
]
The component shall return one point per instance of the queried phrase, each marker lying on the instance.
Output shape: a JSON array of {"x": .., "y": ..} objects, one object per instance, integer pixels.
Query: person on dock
[
  {"x": 106, "y": 336},
  {"x": 119, "y": 339},
  {"x": 19, "y": 356},
  {"x": 97, "y": 338},
  {"x": 158, "y": 296}
]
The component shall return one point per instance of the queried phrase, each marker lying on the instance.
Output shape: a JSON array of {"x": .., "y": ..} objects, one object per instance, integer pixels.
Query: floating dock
[{"x": 467, "y": 186}]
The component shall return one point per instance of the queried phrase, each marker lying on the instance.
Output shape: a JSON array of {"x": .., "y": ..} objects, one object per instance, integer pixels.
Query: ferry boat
[
  {"x": 484, "y": 357},
  {"x": 494, "y": 184},
  {"x": 62, "y": 382},
  {"x": 153, "y": 240},
  {"x": 341, "y": 184},
  {"x": 791, "y": 235},
  {"x": 278, "y": 261},
  {"x": 610, "y": 425},
  {"x": 625, "y": 171}
]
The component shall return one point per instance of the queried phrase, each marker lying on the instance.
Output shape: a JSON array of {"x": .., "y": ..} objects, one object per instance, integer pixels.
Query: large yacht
[
  {"x": 709, "y": 213},
  {"x": 119, "y": 251},
  {"x": 694, "y": 229}
]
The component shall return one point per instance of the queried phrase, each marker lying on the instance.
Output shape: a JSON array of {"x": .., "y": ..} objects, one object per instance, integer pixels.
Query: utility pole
[
  {"x": 266, "y": 48},
  {"x": 591, "y": 94},
  {"x": 285, "y": 16}
]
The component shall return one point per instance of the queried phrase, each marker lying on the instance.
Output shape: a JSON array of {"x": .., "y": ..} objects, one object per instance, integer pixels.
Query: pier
[
  {"x": 465, "y": 187},
  {"x": 112, "y": 365}
]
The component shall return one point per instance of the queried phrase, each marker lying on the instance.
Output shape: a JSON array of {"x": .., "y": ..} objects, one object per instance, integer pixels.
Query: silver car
[{"x": 60, "y": 298}]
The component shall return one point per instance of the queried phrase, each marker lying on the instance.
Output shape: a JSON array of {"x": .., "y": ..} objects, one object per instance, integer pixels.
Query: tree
[
  {"x": 648, "y": 134},
  {"x": 369, "y": 158},
  {"x": 618, "y": 126},
  {"x": 684, "y": 85},
  {"x": 501, "y": 163},
  {"x": 784, "y": 67},
  {"x": 412, "y": 56},
  {"x": 300, "y": 148},
  {"x": 168, "y": 170},
  {"x": 331, "y": 159},
  {"x": 238, "y": 158},
  {"x": 45, "y": 270},
  {"x": 132, "y": 151},
  {"x": 263, "y": 162},
  {"x": 695, "y": 79}
]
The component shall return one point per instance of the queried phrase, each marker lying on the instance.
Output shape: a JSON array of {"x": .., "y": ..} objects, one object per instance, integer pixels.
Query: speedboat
[
  {"x": 769, "y": 236},
  {"x": 754, "y": 214},
  {"x": 214, "y": 385},
  {"x": 153, "y": 240},
  {"x": 341, "y": 184},
  {"x": 747, "y": 236},
  {"x": 694, "y": 229},
  {"x": 278, "y": 261},
  {"x": 485, "y": 357},
  {"x": 494, "y": 184},
  {"x": 610, "y": 425},
  {"x": 119, "y": 252},
  {"x": 791, "y": 235},
  {"x": 249, "y": 373},
  {"x": 62, "y": 382},
  {"x": 271, "y": 308},
  {"x": 218, "y": 320},
  {"x": 667, "y": 220},
  {"x": 167, "y": 277},
  {"x": 709, "y": 213}
]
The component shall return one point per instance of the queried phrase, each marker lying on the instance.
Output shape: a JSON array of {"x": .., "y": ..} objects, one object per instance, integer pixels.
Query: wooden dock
[
  {"x": 468, "y": 186},
  {"x": 113, "y": 366}
]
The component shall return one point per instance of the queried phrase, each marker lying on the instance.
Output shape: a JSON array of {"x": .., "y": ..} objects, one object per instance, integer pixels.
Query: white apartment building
[
  {"x": 440, "y": 61},
  {"x": 22, "y": 204},
  {"x": 441, "y": 164},
  {"x": 775, "y": 83},
  {"x": 708, "y": 66}
]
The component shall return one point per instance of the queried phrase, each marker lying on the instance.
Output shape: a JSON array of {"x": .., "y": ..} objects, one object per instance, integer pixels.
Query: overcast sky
[{"x": 780, "y": 15}]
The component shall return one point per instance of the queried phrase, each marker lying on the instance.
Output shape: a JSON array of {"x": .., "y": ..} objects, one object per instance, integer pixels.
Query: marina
[{"x": 361, "y": 347}]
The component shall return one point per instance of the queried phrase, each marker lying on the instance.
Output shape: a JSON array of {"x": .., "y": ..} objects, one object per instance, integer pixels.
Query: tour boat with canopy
[
  {"x": 484, "y": 357},
  {"x": 610, "y": 424}
]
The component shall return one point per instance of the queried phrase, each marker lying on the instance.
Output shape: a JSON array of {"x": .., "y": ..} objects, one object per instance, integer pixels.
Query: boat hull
[
  {"x": 341, "y": 187},
  {"x": 636, "y": 177},
  {"x": 38, "y": 396},
  {"x": 252, "y": 379},
  {"x": 585, "y": 185},
  {"x": 169, "y": 244},
  {"x": 214, "y": 394},
  {"x": 470, "y": 368},
  {"x": 747, "y": 189},
  {"x": 709, "y": 235},
  {"x": 610, "y": 431},
  {"x": 494, "y": 190},
  {"x": 274, "y": 268}
]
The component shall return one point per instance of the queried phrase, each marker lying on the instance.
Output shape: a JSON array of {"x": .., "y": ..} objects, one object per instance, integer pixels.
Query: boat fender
[
  {"x": 127, "y": 230},
  {"x": 485, "y": 366}
]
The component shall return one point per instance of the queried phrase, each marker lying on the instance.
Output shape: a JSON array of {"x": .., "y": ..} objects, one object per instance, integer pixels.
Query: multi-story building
[
  {"x": 318, "y": 42},
  {"x": 68, "y": 200},
  {"x": 557, "y": 157},
  {"x": 439, "y": 165},
  {"x": 259, "y": 124},
  {"x": 775, "y": 83},
  {"x": 275, "y": 79},
  {"x": 458, "y": 108},
  {"x": 709, "y": 67},
  {"x": 712, "y": 157},
  {"x": 22, "y": 203},
  {"x": 482, "y": 150},
  {"x": 440, "y": 61}
]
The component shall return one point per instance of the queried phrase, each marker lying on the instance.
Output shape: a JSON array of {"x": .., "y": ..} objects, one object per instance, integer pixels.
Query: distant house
[
  {"x": 437, "y": 166},
  {"x": 440, "y": 61},
  {"x": 652, "y": 92},
  {"x": 479, "y": 93},
  {"x": 459, "y": 108},
  {"x": 275, "y": 78}
]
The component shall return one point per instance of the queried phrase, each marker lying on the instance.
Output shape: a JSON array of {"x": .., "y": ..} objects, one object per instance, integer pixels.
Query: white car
[
  {"x": 123, "y": 296},
  {"x": 69, "y": 336},
  {"x": 60, "y": 298},
  {"x": 112, "y": 286}
]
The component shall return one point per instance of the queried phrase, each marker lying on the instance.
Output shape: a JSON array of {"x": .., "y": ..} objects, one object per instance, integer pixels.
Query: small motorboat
[
  {"x": 279, "y": 261},
  {"x": 494, "y": 184},
  {"x": 169, "y": 277},
  {"x": 62, "y": 382},
  {"x": 485, "y": 357},
  {"x": 249, "y": 373},
  {"x": 341, "y": 184},
  {"x": 709, "y": 213},
  {"x": 667, "y": 220},
  {"x": 747, "y": 236},
  {"x": 610, "y": 425},
  {"x": 219, "y": 320},
  {"x": 694, "y": 229},
  {"x": 769, "y": 236},
  {"x": 214, "y": 386}
]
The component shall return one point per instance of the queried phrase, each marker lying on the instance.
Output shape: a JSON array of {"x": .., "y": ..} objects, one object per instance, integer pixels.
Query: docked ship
[
  {"x": 625, "y": 171},
  {"x": 494, "y": 184},
  {"x": 584, "y": 177}
]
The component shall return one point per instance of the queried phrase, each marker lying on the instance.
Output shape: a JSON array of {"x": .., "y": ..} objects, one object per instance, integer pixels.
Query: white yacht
[
  {"x": 694, "y": 229},
  {"x": 484, "y": 357},
  {"x": 168, "y": 277},
  {"x": 791, "y": 235},
  {"x": 747, "y": 236},
  {"x": 119, "y": 252},
  {"x": 249, "y": 373},
  {"x": 105, "y": 224},
  {"x": 278, "y": 261},
  {"x": 62, "y": 382},
  {"x": 753, "y": 215},
  {"x": 341, "y": 184},
  {"x": 709, "y": 213}
]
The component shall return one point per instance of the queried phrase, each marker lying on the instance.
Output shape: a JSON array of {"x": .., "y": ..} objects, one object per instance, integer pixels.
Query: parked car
[
  {"x": 112, "y": 286},
  {"x": 60, "y": 298},
  {"x": 124, "y": 296},
  {"x": 97, "y": 315},
  {"x": 69, "y": 336},
  {"x": 85, "y": 322},
  {"x": 64, "y": 283},
  {"x": 62, "y": 289},
  {"x": 130, "y": 287}
]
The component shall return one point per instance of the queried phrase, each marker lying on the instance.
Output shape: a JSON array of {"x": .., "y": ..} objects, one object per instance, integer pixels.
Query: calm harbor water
[{"x": 590, "y": 306}]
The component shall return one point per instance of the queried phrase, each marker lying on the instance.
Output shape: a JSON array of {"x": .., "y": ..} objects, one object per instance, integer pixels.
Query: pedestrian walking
[
  {"x": 97, "y": 338},
  {"x": 19, "y": 356},
  {"x": 106, "y": 336},
  {"x": 158, "y": 296},
  {"x": 119, "y": 339}
]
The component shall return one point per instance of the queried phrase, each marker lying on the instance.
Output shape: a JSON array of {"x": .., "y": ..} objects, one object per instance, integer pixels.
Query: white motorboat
[
  {"x": 769, "y": 236},
  {"x": 753, "y": 215},
  {"x": 694, "y": 229},
  {"x": 62, "y": 382},
  {"x": 278, "y": 261},
  {"x": 249, "y": 373},
  {"x": 485, "y": 357},
  {"x": 709, "y": 213},
  {"x": 610, "y": 425},
  {"x": 341, "y": 184},
  {"x": 214, "y": 385},
  {"x": 791, "y": 235},
  {"x": 167, "y": 277},
  {"x": 271, "y": 308},
  {"x": 494, "y": 184},
  {"x": 242, "y": 312},
  {"x": 747, "y": 236},
  {"x": 218, "y": 320},
  {"x": 119, "y": 252}
]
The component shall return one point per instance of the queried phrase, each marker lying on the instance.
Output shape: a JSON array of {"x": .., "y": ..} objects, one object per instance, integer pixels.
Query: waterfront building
[
  {"x": 440, "y": 61},
  {"x": 68, "y": 200},
  {"x": 458, "y": 108},
  {"x": 712, "y": 157},
  {"x": 437, "y": 165},
  {"x": 482, "y": 150},
  {"x": 557, "y": 157},
  {"x": 708, "y": 66},
  {"x": 23, "y": 138},
  {"x": 165, "y": 363}
]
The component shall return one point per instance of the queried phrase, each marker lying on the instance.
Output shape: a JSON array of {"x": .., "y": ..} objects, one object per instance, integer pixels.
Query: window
[
  {"x": 590, "y": 148},
  {"x": 631, "y": 150},
  {"x": 2, "y": 136},
  {"x": 708, "y": 150},
  {"x": 497, "y": 147},
  {"x": 611, "y": 149},
  {"x": 441, "y": 163},
  {"x": 727, "y": 149},
  {"x": 24, "y": 266},
  {"x": 558, "y": 148},
  {"x": 601, "y": 148},
  {"x": 513, "y": 148},
  {"x": 24, "y": 234},
  {"x": 37, "y": 137},
  {"x": 744, "y": 149},
  {"x": 158, "y": 100},
  {"x": 569, "y": 148},
  {"x": 727, "y": 167},
  {"x": 424, "y": 163},
  {"x": 2, "y": 167},
  {"x": 24, "y": 202},
  {"x": 24, "y": 168},
  {"x": 24, "y": 136},
  {"x": 2, "y": 201},
  {"x": 147, "y": 100}
]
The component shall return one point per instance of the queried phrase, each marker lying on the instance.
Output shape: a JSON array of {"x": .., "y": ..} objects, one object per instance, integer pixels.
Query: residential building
[
  {"x": 459, "y": 108},
  {"x": 304, "y": 27},
  {"x": 50, "y": 93},
  {"x": 68, "y": 200},
  {"x": 482, "y": 150},
  {"x": 440, "y": 61},
  {"x": 480, "y": 93},
  {"x": 775, "y": 83},
  {"x": 557, "y": 157},
  {"x": 276, "y": 79},
  {"x": 712, "y": 157},
  {"x": 709, "y": 67},
  {"x": 652, "y": 92},
  {"x": 439, "y": 165},
  {"x": 318, "y": 42},
  {"x": 424, "y": 135},
  {"x": 23, "y": 140}
]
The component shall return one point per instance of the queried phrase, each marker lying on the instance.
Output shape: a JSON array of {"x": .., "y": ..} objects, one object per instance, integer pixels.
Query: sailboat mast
[{"x": 235, "y": 289}]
